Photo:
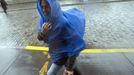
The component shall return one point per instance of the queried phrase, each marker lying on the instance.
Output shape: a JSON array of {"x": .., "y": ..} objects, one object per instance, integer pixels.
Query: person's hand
[
  {"x": 66, "y": 72},
  {"x": 40, "y": 36},
  {"x": 46, "y": 27}
]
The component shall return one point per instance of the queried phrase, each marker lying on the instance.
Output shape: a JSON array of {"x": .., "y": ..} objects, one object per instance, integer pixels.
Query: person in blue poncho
[
  {"x": 4, "y": 5},
  {"x": 63, "y": 31}
]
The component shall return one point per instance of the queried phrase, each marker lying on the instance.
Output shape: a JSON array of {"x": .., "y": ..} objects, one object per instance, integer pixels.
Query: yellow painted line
[
  {"x": 45, "y": 53},
  {"x": 106, "y": 50},
  {"x": 38, "y": 48},
  {"x": 44, "y": 68}
]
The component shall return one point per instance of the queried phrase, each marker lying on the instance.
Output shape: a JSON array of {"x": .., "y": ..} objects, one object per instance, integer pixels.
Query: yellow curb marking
[
  {"x": 39, "y": 48},
  {"x": 45, "y": 53},
  {"x": 85, "y": 51},
  {"x": 36, "y": 48},
  {"x": 44, "y": 68}
]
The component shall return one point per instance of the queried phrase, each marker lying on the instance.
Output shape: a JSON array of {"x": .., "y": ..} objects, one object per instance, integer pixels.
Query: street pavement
[
  {"x": 22, "y": 62},
  {"x": 108, "y": 25}
]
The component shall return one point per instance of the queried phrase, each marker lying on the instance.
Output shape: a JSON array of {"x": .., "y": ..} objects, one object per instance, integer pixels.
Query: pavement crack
[
  {"x": 10, "y": 64},
  {"x": 129, "y": 61}
]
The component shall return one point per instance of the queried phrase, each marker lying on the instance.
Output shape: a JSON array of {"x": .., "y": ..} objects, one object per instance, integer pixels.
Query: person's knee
[
  {"x": 53, "y": 69},
  {"x": 77, "y": 71}
]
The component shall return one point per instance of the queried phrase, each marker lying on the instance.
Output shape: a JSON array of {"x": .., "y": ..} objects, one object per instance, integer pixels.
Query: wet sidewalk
[
  {"x": 16, "y": 62},
  {"x": 89, "y": 64},
  {"x": 108, "y": 25}
]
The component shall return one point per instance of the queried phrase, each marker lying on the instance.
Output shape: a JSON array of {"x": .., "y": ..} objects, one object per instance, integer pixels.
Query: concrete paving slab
[
  {"x": 7, "y": 57},
  {"x": 89, "y": 64},
  {"x": 109, "y": 25},
  {"x": 105, "y": 64}
]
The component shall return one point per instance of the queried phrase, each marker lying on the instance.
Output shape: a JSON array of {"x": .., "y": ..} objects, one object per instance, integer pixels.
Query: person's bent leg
[
  {"x": 53, "y": 69},
  {"x": 76, "y": 71}
]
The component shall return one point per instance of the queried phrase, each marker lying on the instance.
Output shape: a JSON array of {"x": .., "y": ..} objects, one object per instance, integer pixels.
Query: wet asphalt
[
  {"x": 20, "y": 62},
  {"x": 108, "y": 25}
]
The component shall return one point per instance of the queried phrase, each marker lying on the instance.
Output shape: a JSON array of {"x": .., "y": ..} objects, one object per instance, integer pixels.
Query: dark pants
[
  {"x": 4, "y": 5},
  {"x": 55, "y": 67}
]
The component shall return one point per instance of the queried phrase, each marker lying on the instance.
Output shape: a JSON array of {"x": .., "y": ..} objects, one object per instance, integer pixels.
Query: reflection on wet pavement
[{"x": 108, "y": 25}]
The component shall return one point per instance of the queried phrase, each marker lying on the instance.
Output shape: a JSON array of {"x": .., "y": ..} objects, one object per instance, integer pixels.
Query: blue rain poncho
[{"x": 66, "y": 35}]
